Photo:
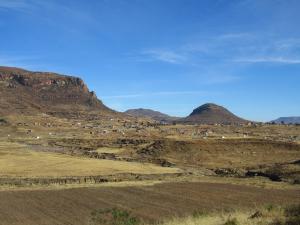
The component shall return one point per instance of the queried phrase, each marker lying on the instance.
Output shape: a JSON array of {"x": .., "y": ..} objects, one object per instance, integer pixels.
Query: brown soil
[{"x": 74, "y": 206}]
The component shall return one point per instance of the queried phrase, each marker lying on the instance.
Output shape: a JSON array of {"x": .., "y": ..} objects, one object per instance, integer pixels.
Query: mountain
[
  {"x": 288, "y": 120},
  {"x": 29, "y": 92},
  {"x": 155, "y": 115},
  {"x": 210, "y": 114}
]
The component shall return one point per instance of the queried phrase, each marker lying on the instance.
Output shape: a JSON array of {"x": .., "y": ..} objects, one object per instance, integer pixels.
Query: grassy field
[{"x": 19, "y": 161}]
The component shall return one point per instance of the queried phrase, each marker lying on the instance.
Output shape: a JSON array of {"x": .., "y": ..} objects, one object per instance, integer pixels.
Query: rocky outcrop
[
  {"x": 27, "y": 92},
  {"x": 211, "y": 114}
]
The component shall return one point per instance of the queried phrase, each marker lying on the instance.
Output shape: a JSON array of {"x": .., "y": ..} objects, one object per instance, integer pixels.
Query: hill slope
[
  {"x": 155, "y": 115},
  {"x": 288, "y": 120},
  {"x": 210, "y": 114},
  {"x": 26, "y": 92}
]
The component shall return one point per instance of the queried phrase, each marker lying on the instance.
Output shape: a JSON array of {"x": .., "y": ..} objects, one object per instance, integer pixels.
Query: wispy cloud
[
  {"x": 281, "y": 60},
  {"x": 231, "y": 48},
  {"x": 234, "y": 36},
  {"x": 287, "y": 44},
  {"x": 158, "y": 94},
  {"x": 21, "y": 61},
  {"x": 59, "y": 14},
  {"x": 14, "y": 4},
  {"x": 165, "y": 55}
]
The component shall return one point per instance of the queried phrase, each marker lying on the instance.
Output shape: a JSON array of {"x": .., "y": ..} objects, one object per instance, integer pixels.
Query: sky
[{"x": 166, "y": 55}]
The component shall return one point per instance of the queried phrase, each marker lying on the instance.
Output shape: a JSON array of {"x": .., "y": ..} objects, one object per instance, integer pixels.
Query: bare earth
[{"x": 74, "y": 206}]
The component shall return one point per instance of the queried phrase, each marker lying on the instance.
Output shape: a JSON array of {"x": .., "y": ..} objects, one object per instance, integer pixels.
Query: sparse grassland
[
  {"x": 19, "y": 161},
  {"x": 269, "y": 215},
  {"x": 110, "y": 150},
  {"x": 67, "y": 150}
]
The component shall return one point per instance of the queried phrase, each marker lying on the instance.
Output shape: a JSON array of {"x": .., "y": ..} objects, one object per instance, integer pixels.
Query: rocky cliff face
[{"x": 27, "y": 92}]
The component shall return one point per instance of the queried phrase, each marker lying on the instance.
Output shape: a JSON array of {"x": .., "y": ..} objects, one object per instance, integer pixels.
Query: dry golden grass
[
  {"x": 260, "y": 182},
  {"x": 19, "y": 161},
  {"x": 228, "y": 153},
  {"x": 110, "y": 150},
  {"x": 266, "y": 217},
  {"x": 80, "y": 186}
]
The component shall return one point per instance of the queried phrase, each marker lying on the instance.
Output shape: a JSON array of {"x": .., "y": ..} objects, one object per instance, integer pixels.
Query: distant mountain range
[
  {"x": 288, "y": 120},
  {"x": 149, "y": 113},
  {"x": 206, "y": 114},
  {"x": 27, "y": 92}
]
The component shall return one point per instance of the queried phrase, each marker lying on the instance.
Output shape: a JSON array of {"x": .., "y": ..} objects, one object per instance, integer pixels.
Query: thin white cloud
[
  {"x": 234, "y": 36},
  {"x": 281, "y": 60},
  {"x": 14, "y": 4},
  {"x": 59, "y": 14},
  {"x": 232, "y": 48},
  {"x": 123, "y": 96},
  {"x": 165, "y": 56},
  {"x": 287, "y": 44},
  {"x": 21, "y": 61},
  {"x": 158, "y": 94}
]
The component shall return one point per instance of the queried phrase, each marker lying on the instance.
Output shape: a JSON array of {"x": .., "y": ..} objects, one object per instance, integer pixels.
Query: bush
[
  {"x": 293, "y": 215},
  {"x": 112, "y": 217},
  {"x": 270, "y": 207},
  {"x": 293, "y": 211},
  {"x": 231, "y": 222},
  {"x": 199, "y": 214}
]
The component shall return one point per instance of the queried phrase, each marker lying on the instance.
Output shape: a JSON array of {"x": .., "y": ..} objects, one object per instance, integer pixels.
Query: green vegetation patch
[
  {"x": 112, "y": 217},
  {"x": 232, "y": 221}
]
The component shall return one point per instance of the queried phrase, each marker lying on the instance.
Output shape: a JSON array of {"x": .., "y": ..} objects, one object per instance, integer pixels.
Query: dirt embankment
[
  {"x": 276, "y": 160},
  {"x": 27, "y": 182}
]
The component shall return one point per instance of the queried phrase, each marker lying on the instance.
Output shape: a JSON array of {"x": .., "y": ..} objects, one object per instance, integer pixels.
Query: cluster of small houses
[
  {"x": 118, "y": 126},
  {"x": 105, "y": 127}
]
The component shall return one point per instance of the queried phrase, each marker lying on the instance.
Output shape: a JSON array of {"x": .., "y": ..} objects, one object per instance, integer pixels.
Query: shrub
[
  {"x": 232, "y": 221},
  {"x": 293, "y": 215},
  {"x": 112, "y": 217},
  {"x": 198, "y": 214},
  {"x": 270, "y": 207},
  {"x": 292, "y": 211}
]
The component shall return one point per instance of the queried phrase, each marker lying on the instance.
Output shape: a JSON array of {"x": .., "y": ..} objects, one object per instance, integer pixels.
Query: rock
[{"x": 230, "y": 172}]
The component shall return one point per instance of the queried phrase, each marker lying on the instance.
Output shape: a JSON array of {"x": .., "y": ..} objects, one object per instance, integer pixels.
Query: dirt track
[{"x": 73, "y": 206}]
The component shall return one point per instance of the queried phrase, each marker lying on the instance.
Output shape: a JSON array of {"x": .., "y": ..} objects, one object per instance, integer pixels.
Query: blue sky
[{"x": 167, "y": 55}]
